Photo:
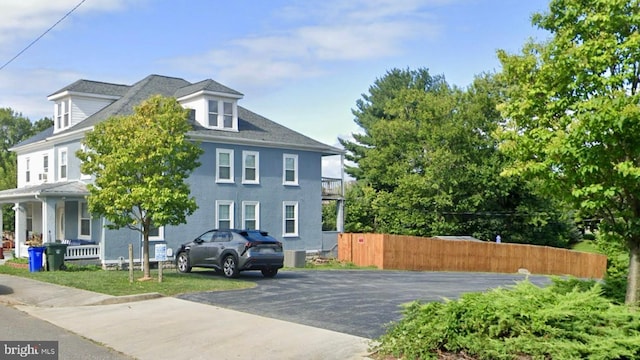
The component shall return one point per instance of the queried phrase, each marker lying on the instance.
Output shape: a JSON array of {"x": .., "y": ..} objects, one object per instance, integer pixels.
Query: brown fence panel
[{"x": 432, "y": 254}]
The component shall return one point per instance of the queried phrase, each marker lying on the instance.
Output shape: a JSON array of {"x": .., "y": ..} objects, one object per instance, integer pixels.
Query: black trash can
[{"x": 55, "y": 255}]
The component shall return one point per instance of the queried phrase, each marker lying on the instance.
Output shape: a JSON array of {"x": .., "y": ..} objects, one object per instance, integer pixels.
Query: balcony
[{"x": 331, "y": 188}]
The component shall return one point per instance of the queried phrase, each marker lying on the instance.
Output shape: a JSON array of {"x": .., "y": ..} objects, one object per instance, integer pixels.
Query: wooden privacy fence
[{"x": 432, "y": 254}]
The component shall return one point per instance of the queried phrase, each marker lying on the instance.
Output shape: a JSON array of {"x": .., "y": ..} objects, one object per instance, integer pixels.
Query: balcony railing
[{"x": 331, "y": 188}]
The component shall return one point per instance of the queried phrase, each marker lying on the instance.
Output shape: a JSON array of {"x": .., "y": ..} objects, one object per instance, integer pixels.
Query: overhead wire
[{"x": 42, "y": 35}]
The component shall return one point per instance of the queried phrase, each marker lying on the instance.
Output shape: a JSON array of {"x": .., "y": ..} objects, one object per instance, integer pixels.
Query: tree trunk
[
  {"x": 633, "y": 278},
  {"x": 145, "y": 255}
]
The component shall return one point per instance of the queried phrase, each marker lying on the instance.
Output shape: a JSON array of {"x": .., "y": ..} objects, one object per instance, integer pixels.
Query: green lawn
[
  {"x": 113, "y": 282},
  {"x": 586, "y": 246}
]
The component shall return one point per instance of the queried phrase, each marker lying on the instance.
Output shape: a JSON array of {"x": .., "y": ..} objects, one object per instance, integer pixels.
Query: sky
[{"x": 301, "y": 63}]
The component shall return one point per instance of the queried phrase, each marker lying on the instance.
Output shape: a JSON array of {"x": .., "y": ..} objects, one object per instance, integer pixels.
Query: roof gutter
[{"x": 328, "y": 150}]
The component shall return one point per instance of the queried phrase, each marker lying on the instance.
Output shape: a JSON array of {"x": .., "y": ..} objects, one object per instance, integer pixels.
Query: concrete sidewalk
[{"x": 154, "y": 327}]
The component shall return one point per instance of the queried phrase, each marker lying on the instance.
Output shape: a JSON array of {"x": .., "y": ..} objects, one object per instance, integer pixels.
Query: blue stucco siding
[{"x": 270, "y": 193}]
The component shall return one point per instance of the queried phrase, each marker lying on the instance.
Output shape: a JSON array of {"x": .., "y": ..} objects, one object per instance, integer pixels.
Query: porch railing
[
  {"x": 331, "y": 187},
  {"x": 82, "y": 252}
]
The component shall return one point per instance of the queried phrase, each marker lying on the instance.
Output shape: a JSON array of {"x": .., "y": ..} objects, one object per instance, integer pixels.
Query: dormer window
[
  {"x": 62, "y": 114},
  {"x": 213, "y": 113},
  {"x": 222, "y": 114}
]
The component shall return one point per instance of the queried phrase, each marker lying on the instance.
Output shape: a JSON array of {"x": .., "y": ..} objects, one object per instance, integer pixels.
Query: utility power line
[{"x": 43, "y": 34}]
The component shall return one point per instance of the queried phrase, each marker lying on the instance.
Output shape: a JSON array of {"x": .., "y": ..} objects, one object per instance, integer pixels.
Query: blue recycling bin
[{"x": 35, "y": 258}]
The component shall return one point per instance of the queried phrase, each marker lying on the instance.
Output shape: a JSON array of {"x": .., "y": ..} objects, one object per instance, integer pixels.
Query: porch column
[
  {"x": 21, "y": 229},
  {"x": 48, "y": 220},
  {"x": 340, "y": 216}
]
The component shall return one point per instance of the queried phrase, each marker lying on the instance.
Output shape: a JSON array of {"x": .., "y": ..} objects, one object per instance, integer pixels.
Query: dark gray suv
[{"x": 232, "y": 251}]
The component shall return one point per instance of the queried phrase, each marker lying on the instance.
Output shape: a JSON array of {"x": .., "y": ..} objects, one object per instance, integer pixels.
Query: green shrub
[
  {"x": 74, "y": 267},
  {"x": 615, "y": 281},
  {"x": 557, "y": 322}
]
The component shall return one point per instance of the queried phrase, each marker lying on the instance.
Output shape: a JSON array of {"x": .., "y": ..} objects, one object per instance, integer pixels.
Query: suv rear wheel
[
  {"x": 230, "y": 267},
  {"x": 184, "y": 265}
]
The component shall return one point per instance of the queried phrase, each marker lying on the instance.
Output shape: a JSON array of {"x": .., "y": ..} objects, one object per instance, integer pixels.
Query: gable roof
[
  {"x": 206, "y": 85},
  {"x": 252, "y": 128},
  {"x": 94, "y": 87}
]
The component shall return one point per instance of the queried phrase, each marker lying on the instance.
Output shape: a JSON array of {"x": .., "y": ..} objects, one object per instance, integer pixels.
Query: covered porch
[{"x": 55, "y": 212}]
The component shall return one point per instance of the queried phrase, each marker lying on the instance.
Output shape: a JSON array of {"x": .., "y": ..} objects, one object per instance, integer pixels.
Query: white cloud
[
  {"x": 30, "y": 97},
  {"x": 312, "y": 35},
  {"x": 24, "y": 20}
]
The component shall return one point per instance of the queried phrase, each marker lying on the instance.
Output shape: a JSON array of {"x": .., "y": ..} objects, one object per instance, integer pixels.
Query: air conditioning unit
[{"x": 42, "y": 176}]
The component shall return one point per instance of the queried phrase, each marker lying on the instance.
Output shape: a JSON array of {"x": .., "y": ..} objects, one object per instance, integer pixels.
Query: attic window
[
  {"x": 222, "y": 114},
  {"x": 62, "y": 113}
]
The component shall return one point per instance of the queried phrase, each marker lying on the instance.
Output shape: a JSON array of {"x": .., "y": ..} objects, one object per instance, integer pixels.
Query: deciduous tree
[
  {"x": 140, "y": 163},
  {"x": 429, "y": 165},
  {"x": 574, "y": 116},
  {"x": 14, "y": 128}
]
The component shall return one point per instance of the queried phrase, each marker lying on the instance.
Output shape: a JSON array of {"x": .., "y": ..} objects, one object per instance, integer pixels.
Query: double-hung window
[
  {"x": 250, "y": 167},
  {"x": 224, "y": 165},
  {"x": 29, "y": 209},
  {"x": 59, "y": 115},
  {"x": 224, "y": 214},
  {"x": 84, "y": 221},
  {"x": 250, "y": 215},
  {"x": 27, "y": 174},
  {"x": 62, "y": 164},
  {"x": 213, "y": 113},
  {"x": 45, "y": 168},
  {"x": 290, "y": 169},
  {"x": 156, "y": 232},
  {"x": 290, "y": 218},
  {"x": 227, "y": 115},
  {"x": 67, "y": 113},
  {"x": 221, "y": 114}
]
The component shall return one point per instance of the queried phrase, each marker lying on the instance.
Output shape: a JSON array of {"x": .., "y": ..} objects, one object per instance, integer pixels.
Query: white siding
[
  {"x": 200, "y": 106},
  {"x": 83, "y": 107},
  {"x": 36, "y": 167}
]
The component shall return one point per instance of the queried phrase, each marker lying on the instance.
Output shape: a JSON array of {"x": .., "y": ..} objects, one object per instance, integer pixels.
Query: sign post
[{"x": 161, "y": 257}]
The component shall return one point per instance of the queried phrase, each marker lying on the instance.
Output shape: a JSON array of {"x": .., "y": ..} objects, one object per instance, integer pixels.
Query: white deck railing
[{"x": 82, "y": 252}]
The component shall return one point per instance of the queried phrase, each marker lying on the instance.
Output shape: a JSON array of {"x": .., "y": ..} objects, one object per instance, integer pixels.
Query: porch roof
[{"x": 58, "y": 189}]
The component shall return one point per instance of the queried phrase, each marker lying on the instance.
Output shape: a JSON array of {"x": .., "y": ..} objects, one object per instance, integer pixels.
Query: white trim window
[
  {"x": 224, "y": 214},
  {"x": 84, "y": 176},
  {"x": 213, "y": 113},
  {"x": 156, "y": 233},
  {"x": 250, "y": 167},
  {"x": 27, "y": 173},
  {"x": 224, "y": 165},
  {"x": 290, "y": 169},
  {"x": 290, "y": 218},
  {"x": 67, "y": 113},
  {"x": 29, "y": 217},
  {"x": 62, "y": 164},
  {"x": 227, "y": 115},
  {"x": 84, "y": 220},
  {"x": 222, "y": 114},
  {"x": 58, "y": 115},
  {"x": 45, "y": 167},
  {"x": 250, "y": 215},
  {"x": 62, "y": 114}
]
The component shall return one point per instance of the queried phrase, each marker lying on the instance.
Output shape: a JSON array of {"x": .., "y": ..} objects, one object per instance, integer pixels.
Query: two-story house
[{"x": 255, "y": 173}]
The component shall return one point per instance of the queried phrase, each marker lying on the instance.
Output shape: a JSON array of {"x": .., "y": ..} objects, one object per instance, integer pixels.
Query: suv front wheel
[
  {"x": 184, "y": 265},
  {"x": 230, "y": 267}
]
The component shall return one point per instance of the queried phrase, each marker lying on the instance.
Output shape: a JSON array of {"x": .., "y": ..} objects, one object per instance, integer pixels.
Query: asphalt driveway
[{"x": 356, "y": 302}]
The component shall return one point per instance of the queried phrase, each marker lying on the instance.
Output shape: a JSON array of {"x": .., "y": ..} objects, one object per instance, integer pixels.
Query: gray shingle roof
[
  {"x": 68, "y": 188},
  {"x": 95, "y": 87},
  {"x": 260, "y": 130},
  {"x": 206, "y": 85},
  {"x": 252, "y": 128}
]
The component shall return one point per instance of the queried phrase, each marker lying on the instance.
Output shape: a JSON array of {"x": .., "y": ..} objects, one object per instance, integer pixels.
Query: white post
[
  {"x": 21, "y": 229},
  {"x": 48, "y": 220}
]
